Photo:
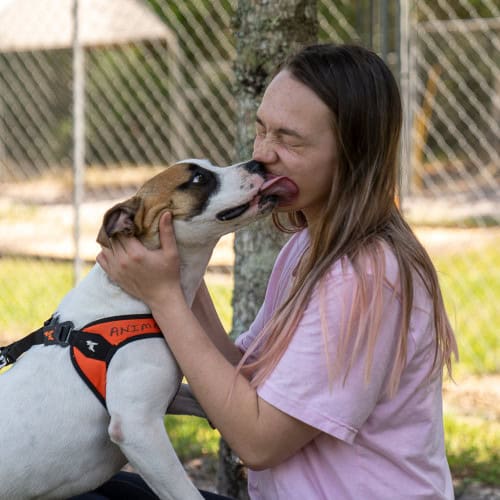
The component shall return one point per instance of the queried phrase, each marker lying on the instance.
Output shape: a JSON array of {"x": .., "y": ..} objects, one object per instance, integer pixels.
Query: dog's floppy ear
[{"x": 119, "y": 220}]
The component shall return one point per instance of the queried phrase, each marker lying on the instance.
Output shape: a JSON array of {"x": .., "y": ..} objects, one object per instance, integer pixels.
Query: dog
[{"x": 57, "y": 439}]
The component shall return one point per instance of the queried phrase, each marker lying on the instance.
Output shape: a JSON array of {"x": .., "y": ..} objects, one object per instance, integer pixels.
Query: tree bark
[{"x": 266, "y": 32}]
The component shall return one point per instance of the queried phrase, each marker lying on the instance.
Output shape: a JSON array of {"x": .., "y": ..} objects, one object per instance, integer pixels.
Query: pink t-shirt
[{"x": 371, "y": 447}]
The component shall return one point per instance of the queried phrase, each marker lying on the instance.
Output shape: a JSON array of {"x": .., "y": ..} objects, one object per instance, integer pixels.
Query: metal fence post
[
  {"x": 404, "y": 82},
  {"x": 78, "y": 137}
]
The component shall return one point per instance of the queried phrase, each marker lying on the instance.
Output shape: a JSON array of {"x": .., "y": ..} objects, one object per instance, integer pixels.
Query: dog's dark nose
[{"x": 254, "y": 167}]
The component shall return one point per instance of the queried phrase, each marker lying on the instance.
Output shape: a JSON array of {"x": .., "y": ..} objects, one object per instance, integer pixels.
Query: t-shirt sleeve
[{"x": 302, "y": 384}]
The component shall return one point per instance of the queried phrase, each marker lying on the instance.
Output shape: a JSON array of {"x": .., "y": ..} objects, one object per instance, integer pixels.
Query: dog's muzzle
[
  {"x": 276, "y": 191},
  {"x": 232, "y": 213}
]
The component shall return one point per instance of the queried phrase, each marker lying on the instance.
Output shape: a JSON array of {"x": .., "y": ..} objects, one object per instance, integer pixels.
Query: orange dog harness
[{"x": 92, "y": 347}]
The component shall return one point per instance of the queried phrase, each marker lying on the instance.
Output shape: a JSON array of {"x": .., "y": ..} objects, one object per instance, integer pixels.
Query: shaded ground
[{"x": 476, "y": 491}]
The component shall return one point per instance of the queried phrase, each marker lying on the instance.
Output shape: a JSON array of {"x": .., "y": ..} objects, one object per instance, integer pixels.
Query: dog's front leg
[
  {"x": 142, "y": 379},
  {"x": 148, "y": 449}
]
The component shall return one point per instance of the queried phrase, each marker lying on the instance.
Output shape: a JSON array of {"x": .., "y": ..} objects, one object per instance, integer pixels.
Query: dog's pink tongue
[{"x": 284, "y": 188}]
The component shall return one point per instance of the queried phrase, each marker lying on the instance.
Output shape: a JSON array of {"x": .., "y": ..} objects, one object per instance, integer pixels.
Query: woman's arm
[
  {"x": 205, "y": 312},
  {"x": 260, "y": 434}
]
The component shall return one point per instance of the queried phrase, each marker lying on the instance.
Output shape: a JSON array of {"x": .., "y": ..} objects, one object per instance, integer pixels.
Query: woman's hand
[{"x": 148, "y": 275}]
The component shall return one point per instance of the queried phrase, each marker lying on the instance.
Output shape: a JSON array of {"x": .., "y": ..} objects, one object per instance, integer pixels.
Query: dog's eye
[{"x": 199, "y": 178}]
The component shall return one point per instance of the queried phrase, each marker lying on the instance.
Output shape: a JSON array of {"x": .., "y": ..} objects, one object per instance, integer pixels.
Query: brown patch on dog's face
[{"x": 183, "y": 189}]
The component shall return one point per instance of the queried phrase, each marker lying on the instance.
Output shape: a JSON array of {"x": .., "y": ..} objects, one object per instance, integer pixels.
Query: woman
[{"x": 335, "y": 390}]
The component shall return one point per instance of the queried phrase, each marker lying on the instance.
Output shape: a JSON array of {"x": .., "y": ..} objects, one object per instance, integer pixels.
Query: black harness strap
[
  {"x": 55, "y": 333},
  {"x": 10, "y": 354}
]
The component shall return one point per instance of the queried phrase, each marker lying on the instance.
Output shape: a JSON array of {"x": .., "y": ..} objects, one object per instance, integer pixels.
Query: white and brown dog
[{"x": 56, "y": 438}]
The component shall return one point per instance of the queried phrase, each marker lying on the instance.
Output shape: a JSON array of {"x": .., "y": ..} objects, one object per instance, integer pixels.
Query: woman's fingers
[
  {"x": 167, "y": 234},
  {"x": 139, "y": 271}
]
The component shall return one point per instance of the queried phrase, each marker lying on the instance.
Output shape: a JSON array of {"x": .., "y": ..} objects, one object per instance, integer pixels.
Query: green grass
[
  {"x": 24, "y": 299},
  {"x": 473, "y": 448},
  {"x": 472, "y": 444},
  {"x": 191, "y": 436},
  {"x": 470, "y": 281}
]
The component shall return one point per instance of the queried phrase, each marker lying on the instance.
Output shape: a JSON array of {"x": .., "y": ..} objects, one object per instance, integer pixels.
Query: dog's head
[{"x": 206, "y": 202}]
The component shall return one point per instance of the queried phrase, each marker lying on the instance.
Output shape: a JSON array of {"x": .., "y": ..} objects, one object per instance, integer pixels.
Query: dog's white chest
[{"x": 96, "y": 297}]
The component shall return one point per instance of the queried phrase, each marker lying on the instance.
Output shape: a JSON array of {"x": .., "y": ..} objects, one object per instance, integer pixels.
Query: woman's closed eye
[
  {"x": 288, "y": 141},
  {"x": 291, "y": 142}
]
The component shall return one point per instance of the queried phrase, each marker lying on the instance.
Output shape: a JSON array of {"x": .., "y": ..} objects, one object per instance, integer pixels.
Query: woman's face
[{"x": 294, "y": 137}]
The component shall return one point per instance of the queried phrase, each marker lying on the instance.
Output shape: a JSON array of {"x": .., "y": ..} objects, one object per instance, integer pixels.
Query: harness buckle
[
  {"x": 62, "y": 332},
  {"x": 3, "y": 360}
]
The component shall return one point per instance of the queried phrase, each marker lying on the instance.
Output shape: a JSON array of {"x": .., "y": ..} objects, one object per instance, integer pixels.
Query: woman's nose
[{"x": 263, "y": 151}]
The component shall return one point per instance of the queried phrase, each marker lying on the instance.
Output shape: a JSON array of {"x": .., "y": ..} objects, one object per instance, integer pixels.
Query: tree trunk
[{"x": 266, "y": 32}]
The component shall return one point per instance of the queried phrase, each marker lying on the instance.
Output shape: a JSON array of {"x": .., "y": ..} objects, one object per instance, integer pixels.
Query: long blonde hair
[{"x": 360, "y": 216}]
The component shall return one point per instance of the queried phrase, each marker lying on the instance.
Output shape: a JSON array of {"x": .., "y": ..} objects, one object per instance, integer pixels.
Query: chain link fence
[
  {"x": 452, "y": 179},
  {"x": 152, "y": 83}
]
